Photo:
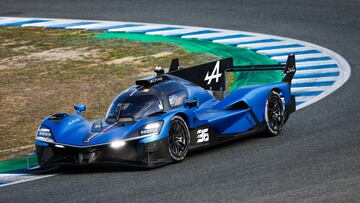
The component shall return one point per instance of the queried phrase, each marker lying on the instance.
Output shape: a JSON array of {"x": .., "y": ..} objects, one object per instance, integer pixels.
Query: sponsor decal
[
  {"x": 203, "y": 135},
  {"x": 73, "y": 121},
  {"x": 156, "y": 79},
  {"x": 291, "y": 69}
]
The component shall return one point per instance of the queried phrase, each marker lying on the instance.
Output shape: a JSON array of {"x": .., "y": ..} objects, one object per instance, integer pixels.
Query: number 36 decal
[{"x": 203, "y": 135}]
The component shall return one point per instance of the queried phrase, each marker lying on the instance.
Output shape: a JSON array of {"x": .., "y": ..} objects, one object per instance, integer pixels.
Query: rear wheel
[
  {"x": 179, "y": 138},
  {"x": 274, "y": 114}
]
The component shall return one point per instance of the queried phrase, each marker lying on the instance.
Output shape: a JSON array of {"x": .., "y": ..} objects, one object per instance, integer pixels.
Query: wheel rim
[
  {"x": 275, "y": 116},
  {"x": 178, "y": 139}
]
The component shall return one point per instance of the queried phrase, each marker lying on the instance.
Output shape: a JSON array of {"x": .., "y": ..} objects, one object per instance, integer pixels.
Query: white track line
[
  {"x": 175, "y": 32},
  {"x": 324, "y": 70},
  {"x": 236, "y": 40},
  {"x": 300, "y": 56},
  {"x": 276, "y": 51},
  {"x": 309, "y": 89},
  {"x": 320, "y": 79},
  {"x": 13, "y": 179},
  {"x": 211, "y": 35},
  {"x": 137, "y": 28},
  {"x": 50, "y": 23},
  {"x": 304, "y": 98},
  {"x": 264, "y": 44},
  {"x": 14, "y": 20},
  {"x": 315, "y": 63},
  {"x": 94, "y": 26}
]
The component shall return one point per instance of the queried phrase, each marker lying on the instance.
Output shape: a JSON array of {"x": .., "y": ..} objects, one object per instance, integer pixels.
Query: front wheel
[
  {"x": 274, "y": 114},
  {"x": 179, "y": 138}
]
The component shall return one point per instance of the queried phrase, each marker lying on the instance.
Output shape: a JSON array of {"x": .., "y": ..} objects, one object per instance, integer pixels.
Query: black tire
[
  {"x": 274, "y": 114},
  {"x": 179, "y": 139}
]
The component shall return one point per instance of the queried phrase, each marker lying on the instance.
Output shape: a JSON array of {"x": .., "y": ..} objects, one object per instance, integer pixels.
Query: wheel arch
[
  {"x": 278, "y": 90},
  {"x": 183, "y": 116}
]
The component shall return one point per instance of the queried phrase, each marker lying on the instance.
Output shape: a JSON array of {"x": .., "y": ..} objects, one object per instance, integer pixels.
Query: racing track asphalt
[{"x": 316, "y": 158}]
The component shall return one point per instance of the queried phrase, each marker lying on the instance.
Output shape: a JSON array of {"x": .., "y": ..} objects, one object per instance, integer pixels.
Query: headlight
[
  {"x": 146, "y": 131},
  {"x": 117, "y": 144},
  {"x": 44, "y": 134},
  {"x": 151, "y": 129}
]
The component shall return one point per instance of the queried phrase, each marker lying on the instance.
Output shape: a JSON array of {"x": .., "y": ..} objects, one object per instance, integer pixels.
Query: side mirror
[
  {"x": 191, "y": 104},
  {"x": 79, "y": 108}
]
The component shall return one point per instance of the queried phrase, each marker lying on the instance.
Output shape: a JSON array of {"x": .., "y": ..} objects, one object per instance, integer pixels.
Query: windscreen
[{"x": 133, "y": 108}]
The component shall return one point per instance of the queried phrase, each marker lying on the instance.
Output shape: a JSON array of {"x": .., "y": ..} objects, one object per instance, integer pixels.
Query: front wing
[{"x": 133, "y": 153}]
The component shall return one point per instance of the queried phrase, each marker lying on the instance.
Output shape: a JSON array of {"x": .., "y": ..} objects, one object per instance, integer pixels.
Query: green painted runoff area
[
  {"x": 241, "y": 56},
  {"x": 17, "y": 164}
]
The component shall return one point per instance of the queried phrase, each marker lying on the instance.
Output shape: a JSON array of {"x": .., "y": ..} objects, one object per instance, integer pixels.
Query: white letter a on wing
[{"x": 214, "y": 75}]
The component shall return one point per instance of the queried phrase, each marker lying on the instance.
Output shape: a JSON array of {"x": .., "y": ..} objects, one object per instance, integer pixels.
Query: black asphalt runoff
[{"x": 317, "y": 158}]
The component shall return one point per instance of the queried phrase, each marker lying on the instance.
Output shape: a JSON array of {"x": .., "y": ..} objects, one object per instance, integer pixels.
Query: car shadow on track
[
  {"x": 108, "y": 168},
  {"x": 228, "y": 144}
]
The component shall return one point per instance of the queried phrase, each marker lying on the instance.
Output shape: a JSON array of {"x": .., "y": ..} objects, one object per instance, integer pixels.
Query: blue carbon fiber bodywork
[{"x": 73, "y": 129}]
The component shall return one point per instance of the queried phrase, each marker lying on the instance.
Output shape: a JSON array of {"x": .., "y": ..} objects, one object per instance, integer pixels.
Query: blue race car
[{"x": 163, "y": 117}]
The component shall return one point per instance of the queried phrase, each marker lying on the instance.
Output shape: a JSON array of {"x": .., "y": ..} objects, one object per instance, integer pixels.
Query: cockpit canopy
[
  {"x": 141, "y": 101},
  {"x": 130, "y": 108}
]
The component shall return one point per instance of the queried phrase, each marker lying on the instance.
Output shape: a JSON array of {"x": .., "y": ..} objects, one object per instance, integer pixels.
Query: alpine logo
[
  {"x": 214, "y": 75},
  {"x": 203, "y": 135},
  {"x": 73, "y": 121},
  {"x": 291, "y": 69}
]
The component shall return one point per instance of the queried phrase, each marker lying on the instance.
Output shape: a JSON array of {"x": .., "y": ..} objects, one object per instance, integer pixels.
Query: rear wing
[
  {"x": 289, "y": 68},
  {"x": 212, "y": 76}
]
